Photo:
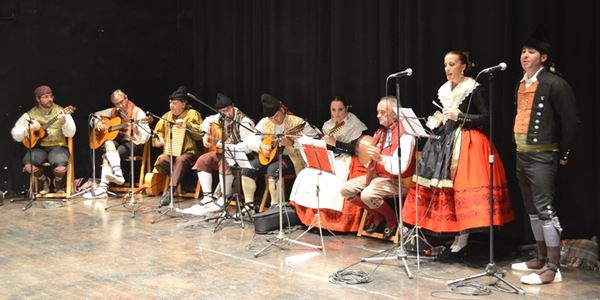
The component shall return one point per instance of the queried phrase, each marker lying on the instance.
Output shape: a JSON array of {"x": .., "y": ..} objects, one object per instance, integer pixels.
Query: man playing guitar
[
  {"x": 113, "y": 129},
  {"x": 233, "y": 134},
  {"x": 277, "y": 120},
  {"x": 52, "y": 147}
]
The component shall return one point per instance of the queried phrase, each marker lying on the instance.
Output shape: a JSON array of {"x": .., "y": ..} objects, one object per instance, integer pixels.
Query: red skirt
[
  {"x": 346, "y": 220},
  {"x": 465, "y": 207}
]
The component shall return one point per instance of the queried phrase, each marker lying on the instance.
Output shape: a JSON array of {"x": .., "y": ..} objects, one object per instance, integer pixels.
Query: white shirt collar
[{"x": 532, "y": 80}]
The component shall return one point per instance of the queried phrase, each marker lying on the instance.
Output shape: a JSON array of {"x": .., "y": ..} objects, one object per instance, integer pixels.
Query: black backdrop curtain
[
  {"x": 307, "y": 52},
  {"x": 303, "y": 52}
]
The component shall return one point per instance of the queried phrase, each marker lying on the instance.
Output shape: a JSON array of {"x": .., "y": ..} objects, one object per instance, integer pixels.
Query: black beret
[
  {"x": 270, "y": 104},
  {"x": 222, "y": 101}
]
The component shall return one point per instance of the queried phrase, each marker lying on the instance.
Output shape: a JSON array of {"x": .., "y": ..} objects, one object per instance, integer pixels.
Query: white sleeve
[
  {"x": 407, "y": 146},
  {"x": 68, "y": 129},
  {"x": 205, "y": 126},
  {"x": 19, "y": 131},
  {"x": 253, "y": 141},
  {"x": 143, "y": 130},
  {"x": 245, "y": 135}
]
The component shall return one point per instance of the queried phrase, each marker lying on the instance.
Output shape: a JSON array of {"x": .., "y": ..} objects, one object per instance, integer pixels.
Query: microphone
[
  {"x": 407, "y": 72},
  {"x": 500, "y": 67},
  {"x": 193, "y": 97},
  {"x": 30, "y": 121}
]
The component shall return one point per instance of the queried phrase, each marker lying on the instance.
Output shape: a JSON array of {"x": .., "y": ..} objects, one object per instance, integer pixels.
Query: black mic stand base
[
  {"x": 166, "y": 213},
  {"x": 400, "y": 255},
  {"x": 282, "y": 242},
  {"x": 129, "y": 203},
  {"x": 491, "y": 271},
  {"x": 225, "y": 215}
]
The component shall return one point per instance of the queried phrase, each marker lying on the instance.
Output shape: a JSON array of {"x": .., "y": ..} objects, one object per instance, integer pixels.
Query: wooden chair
[
  {"x": 178, "y": 191},
  {"x": 70, "y": 177},
  {"x": 263, "y": 202},
  {"x": 145, "y": 163}
]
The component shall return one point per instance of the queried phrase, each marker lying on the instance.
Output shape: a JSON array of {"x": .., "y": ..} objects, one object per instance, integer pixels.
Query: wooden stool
[
  {"x": 145, "y": 163},
  {"x": 70, "y": 177},
  {"x": 378, "y": 235},
  {"x": 263, "y": 202},
  {"x": 178, "y": 193}
]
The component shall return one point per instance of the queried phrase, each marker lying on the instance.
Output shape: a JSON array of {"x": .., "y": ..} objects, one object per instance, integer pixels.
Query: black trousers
[{"x": 536, "y": 174}]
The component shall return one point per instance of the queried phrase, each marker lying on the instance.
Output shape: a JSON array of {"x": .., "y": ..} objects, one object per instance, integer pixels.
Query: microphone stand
[
  {"x": 224, "y": 214},
  {"x": 400, "y": 251},
  {"x": 94, "y": 184},
  {"x": 490, "y": 269},
  {"x": 170, "y": 208},
  {"x": 130, "y": 205},
  {"x": 31, "y": 193},
  {"x": 170, "y": 125}
]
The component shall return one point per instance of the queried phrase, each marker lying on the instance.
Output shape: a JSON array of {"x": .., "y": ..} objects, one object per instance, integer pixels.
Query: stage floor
[{"x": 82, "y": 251}]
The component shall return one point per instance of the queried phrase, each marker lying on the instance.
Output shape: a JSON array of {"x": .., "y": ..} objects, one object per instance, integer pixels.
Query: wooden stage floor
[{"x": 82, "y": 251}]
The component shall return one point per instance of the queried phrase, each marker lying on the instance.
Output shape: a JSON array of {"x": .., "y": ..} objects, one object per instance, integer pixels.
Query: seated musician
[
  {"x": 211, "y": 160},
  {"x": 185, "y": 124},
  {"x": 341, "y": 133},
  {"x": 53, "y": 124},
  {"x": 381, "y": 181},
  {"x": 119, "y": 118},
  {"x": 277, "y": 120}
]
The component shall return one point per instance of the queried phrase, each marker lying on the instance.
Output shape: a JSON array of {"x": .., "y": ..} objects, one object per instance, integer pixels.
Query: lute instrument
[
  {"x": 41, "y": 133},
  {"x": 267, "y": 158}
]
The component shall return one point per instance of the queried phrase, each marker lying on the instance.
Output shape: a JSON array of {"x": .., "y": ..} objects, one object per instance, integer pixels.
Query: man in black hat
[
  {"x": 277, "y": 120},
  {"x": 231, "y": 117},
  {"x": 184, "y": 122},
  {"x": 544, "y": 131}
]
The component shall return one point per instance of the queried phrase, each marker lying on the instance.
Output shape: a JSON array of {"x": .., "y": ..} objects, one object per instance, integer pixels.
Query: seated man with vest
[
  {"x": 122, "y": 115},
  {"x": 381, "y": 181},
  {"x": 44, "y": 129}
]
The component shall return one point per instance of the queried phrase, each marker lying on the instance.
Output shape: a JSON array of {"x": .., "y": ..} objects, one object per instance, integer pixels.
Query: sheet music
[
  {"x": 411, "y": 123},
  {"x": 234, "y": 156}
]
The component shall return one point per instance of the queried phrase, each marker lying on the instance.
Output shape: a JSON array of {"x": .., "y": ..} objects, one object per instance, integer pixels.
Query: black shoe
[
  {"x": 388, "y": 232},
  {"x": 165, "y": 200}
]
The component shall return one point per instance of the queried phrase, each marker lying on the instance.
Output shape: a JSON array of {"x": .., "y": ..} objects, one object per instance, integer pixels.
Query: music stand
[
  {"x": 235, "y": 159},
  {"x": 281, "y": 237},
  {"x": 412, "y": 126},
  {"x": 316, "y": 156}
]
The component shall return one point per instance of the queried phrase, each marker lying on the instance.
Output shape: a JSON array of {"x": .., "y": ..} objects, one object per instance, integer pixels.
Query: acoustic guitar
[
  {"x": 154, "y": 183},
  {"x": 113, "y": 126},
  {"x": 41, "y": 133},
  {"x": 215, "y": 134},
  {"x": 266, "y": 159}
]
